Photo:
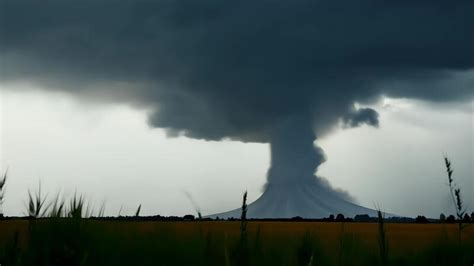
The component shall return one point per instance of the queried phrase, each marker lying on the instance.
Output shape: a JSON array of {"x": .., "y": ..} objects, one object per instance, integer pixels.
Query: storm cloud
[
  {"x": 241, "y": 69},
  {"x": 361, "y": 116},
  {"x": 215, "y": 70}
]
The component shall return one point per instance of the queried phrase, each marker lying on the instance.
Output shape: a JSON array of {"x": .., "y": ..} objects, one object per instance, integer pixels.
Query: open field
[{"x": 91, "y": 242}]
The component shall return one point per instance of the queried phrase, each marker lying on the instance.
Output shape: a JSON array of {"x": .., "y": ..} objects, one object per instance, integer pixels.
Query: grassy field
[{"x": 91, "y": 242}]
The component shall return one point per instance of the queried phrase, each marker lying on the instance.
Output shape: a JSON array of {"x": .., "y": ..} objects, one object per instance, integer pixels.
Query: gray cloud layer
[{"x": 219, "y": 69}]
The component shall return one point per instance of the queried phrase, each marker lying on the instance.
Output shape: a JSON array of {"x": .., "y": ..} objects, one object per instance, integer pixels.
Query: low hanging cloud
[{"x": 361, "y": 116}]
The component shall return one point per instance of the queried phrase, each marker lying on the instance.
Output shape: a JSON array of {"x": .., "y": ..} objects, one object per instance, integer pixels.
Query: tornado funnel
[{"x": 292, "y": 188}]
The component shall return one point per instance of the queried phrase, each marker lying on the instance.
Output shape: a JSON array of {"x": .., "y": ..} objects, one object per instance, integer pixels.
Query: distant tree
[
  {"x": 421, "y": 219},
  {"x": 442, "y": 217},
  {"x": 331, "y": 217},
  {"x": 189, "y": 217},
  {"x": 362, "y": 218},
  {"x": 472, "y": 217},
  {"x": 297, "y": 218},
  {"x": 451, "y": 219},
  {"x": 466, "y": 218},
  {"x": 340, "y": 217}
]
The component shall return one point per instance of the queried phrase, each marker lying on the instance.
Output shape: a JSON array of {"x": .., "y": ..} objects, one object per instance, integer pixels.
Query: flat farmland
[{"x": 94, "y": 242}]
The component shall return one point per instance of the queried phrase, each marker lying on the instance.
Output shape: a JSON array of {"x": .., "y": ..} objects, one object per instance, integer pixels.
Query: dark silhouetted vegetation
[
  {"x": 382, "y": 238},
  {"x": 421, "y": 219},
  {"x": 3, "y": 181},
  {"x": 455, "y": 192}
]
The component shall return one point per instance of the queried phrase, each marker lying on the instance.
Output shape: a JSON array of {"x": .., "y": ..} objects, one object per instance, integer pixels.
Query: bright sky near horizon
[{"x": 109, "y": 153}]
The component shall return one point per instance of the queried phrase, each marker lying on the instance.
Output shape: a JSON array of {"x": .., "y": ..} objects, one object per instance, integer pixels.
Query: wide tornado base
[{"x": 310, "y": 201}]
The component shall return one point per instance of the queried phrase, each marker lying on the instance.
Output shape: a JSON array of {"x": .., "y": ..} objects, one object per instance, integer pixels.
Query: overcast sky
[
  {"x": 110, "y": 153},
  {"x": 144, "y": 101}
]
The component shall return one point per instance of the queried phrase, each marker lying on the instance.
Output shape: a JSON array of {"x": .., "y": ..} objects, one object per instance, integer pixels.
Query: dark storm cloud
[
  {"x": 235, "y": 69},
  {"x": 361, "y": 116}
]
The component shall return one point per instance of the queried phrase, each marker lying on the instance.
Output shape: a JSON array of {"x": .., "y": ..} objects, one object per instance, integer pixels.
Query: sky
[
  {"x": 109, "y": 153},
  {"x": 367, "y": 95}
]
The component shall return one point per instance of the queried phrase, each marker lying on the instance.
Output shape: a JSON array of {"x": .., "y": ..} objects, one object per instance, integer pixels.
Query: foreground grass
[{"x": 66, "y": 241}]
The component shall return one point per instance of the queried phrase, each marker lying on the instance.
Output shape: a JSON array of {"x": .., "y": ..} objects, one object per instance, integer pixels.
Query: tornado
[{"x": 293, "y": 189}]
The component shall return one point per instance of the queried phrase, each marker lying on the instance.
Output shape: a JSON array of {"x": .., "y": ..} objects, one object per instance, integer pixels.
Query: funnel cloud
[{"x": 278, "y": 72}]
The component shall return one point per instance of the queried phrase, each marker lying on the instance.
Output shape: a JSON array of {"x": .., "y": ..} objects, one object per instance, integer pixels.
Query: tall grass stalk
[
  {"x": 76, "y": 207},
  {"x": 455, "y": 192},
  {"x": 226, "y": 256},
  {"x": 101, "y": 211},
  {"x": 120, "y": 211},
  {"x": 137, "y": 213},
  {"x": 36, "y": 204},
  {"x": 341, "y": 244},
  {"x": 311, "y": 259},
  {"x": 196, "y": 207},
  {"x": 257, "y": 247},
  {"x": 3, "y": 181},
  {"x": 243, "y": 216},
  {"x": 57, "y": 207},
  {"x": 382, "y": 237},
  {"x": 241, "y": 256},
  {"x": 305, "y": 252}
]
